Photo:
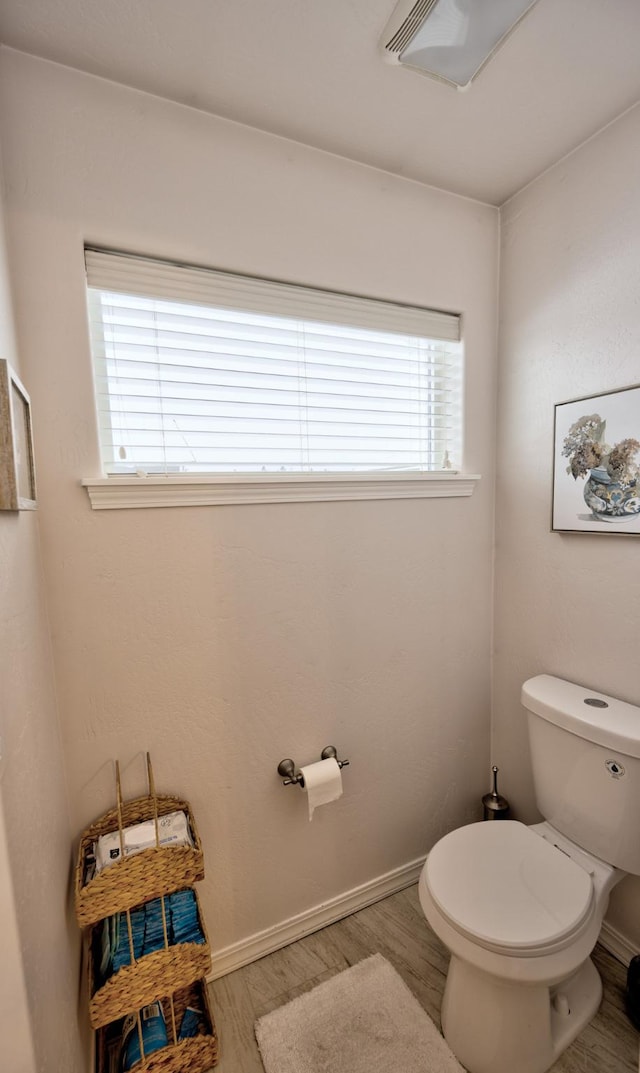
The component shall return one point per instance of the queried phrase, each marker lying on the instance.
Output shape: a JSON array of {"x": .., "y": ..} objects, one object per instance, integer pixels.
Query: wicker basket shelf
[
  {"x": 136, "y": 879},
  {"x": 196, "y": 1055},
  {"x": 147, "y": 979},
  {"x": 171, "y": 975}
]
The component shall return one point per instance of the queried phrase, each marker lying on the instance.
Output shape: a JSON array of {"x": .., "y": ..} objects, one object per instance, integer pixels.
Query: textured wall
[
  {"x": 39, "y": 953},
  {"x": 14, "y": 1014},
  {"x": 224, "y": 639},
  {"x": 570, "y": 323}
]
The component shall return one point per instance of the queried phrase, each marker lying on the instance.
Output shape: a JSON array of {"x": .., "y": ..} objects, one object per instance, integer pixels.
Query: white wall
[
  {"x": 15, "y": 1027},
  {"x": 14, "y": 1012},
  {"x": 570, "y": 326},
  {"x": 226, "y": 638},
  {"x": 39, "y": 952}
]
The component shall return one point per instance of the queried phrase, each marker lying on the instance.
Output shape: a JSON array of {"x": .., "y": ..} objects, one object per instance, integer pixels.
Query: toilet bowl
[{"x": 520, "y": 909}]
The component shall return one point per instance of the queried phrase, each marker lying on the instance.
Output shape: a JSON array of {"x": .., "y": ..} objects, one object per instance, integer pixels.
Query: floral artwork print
[{"x": 603, "y": 468}]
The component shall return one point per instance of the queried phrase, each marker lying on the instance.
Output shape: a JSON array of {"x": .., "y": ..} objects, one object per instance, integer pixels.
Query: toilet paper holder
[{"x": 287, "y": 768}]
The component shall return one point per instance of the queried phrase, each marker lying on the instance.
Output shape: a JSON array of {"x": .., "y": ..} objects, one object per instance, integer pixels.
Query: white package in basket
[{"x": 173, "y": 830}]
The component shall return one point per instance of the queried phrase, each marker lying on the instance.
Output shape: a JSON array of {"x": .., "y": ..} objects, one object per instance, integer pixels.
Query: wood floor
[{"x": 396, "y": 928}]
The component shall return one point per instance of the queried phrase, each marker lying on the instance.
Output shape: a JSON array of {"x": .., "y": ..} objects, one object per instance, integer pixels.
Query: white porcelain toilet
[{"x": 520, "y": 908}]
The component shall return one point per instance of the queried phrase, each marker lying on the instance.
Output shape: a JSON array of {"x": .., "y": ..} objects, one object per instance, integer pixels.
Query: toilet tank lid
[{"x": 609, "y": 722}]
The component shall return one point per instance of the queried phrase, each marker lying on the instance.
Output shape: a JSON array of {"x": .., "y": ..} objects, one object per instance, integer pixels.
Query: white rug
[{"x": 364, "y": 1020}]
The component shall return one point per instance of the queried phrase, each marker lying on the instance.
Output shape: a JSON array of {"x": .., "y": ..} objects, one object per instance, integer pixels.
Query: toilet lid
[{"x": 505, "y": 886}]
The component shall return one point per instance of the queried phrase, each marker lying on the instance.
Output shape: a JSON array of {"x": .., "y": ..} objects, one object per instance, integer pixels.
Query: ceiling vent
[{"x": 451, "y": 40}]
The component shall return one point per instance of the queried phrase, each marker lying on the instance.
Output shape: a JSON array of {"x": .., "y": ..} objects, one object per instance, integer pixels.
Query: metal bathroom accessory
[
  {"x": 287, "y": 768},
  {"x": 495, "y": 806}
]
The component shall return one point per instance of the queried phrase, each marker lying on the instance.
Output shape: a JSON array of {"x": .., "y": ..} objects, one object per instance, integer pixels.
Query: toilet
[{"x": 520, "y": 908}]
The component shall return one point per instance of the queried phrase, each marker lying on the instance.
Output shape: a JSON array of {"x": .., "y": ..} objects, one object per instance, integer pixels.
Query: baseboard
[
  {"x": 265, "y": 942},
  {"x": 617, "y": 943}
]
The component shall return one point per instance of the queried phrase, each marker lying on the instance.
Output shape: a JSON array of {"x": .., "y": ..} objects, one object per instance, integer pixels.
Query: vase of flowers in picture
[{"x": 612, "y": 485}]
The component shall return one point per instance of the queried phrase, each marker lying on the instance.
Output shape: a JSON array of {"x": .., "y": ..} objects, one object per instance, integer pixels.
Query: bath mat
[{"x": 363, "y": 1020}]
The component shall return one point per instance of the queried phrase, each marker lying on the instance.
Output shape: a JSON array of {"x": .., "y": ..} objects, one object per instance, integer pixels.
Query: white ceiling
[{"x": 310, "y": 70}]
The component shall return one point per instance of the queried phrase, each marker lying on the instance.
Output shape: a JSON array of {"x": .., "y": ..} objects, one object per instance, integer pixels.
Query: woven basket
[
  {"x": 147, "y": 979},
  {"x": 132, "y": 880},
  {"x": 196, "y": 1055}
]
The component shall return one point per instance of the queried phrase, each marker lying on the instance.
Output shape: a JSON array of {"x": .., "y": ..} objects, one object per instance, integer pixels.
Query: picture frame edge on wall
[
  {"x": 601, "y": 523},
  {"x": 17, "y": 465}
]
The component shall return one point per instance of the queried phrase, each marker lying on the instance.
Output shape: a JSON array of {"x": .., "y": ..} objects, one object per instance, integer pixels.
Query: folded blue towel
[{"x": 183, "y": 926}]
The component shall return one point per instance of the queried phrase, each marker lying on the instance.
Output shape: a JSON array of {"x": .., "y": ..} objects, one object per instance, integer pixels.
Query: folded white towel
[{"x": 173, "y": 829}]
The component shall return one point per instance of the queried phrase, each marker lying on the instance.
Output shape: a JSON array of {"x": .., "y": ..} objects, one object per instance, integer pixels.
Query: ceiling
[{"x": 311, "y": 71}]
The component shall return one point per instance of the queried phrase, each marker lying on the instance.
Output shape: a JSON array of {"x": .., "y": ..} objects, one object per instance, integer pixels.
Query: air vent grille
[{"x": 410, "y": 26}]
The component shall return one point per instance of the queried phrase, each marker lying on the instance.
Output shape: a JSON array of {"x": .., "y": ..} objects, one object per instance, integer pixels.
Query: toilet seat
[{"x": 507, "y": 889}]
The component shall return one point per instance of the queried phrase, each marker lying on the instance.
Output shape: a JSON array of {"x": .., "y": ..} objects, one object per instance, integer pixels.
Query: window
[{"x": 199, "y": 372}]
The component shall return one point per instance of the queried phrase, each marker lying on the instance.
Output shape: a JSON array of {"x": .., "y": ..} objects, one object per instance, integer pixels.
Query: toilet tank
[{"x": 585, "y": 752}]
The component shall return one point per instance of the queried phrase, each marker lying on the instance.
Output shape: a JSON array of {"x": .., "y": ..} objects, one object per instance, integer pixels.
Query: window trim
[{"x": 194, "y": 490}]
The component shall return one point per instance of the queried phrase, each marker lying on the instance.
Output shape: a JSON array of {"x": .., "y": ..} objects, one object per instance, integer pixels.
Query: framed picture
[
  {"x": 17, "y": 472},
  {"x": 596, "y": 464}
]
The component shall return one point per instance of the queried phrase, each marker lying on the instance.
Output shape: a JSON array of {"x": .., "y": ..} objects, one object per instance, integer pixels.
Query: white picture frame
[
  {"x": 17, "y": 467},
  {"x": 596, "y": 464}
]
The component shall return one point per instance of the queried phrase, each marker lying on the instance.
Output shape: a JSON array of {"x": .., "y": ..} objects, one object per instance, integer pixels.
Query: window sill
[{"x": 113, "y": 493}]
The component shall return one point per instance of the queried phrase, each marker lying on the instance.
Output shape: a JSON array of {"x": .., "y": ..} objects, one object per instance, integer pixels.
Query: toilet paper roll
[{"x": 322, "y": 782}]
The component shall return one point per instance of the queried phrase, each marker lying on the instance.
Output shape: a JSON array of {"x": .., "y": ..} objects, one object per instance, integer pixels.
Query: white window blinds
[{"x": 199, "y": 371}]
